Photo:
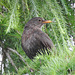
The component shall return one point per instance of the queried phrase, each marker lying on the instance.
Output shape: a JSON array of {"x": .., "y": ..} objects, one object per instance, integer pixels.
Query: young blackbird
[{"x": 33, "y": 39}]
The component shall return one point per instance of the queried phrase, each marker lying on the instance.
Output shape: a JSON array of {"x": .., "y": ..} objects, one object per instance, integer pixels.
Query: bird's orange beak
[{"x": 46, "y": 21}]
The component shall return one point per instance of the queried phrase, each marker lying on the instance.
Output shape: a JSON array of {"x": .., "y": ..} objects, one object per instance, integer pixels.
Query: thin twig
[
  {"x": 19, "y": 56},
  {"x": 10, "y": 59},
  {"x": 1, "y": 13},
  {"x": 18, "y": 32}
]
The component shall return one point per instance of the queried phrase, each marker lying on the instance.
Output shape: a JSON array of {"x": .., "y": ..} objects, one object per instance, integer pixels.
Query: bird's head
[{"x": 37, "y": 22}]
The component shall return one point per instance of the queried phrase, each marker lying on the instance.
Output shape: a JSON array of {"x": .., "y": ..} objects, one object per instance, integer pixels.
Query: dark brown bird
[{"x": 33, "y": 39}]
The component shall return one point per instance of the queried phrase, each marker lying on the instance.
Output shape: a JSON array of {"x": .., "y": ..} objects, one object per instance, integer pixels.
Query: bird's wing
[{"x": 44, "y": 39}]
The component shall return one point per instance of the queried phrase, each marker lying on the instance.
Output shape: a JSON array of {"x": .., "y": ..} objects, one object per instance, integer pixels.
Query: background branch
[
  {"x": 19, "y": 56},
  {"x": 10, "y": 59}
]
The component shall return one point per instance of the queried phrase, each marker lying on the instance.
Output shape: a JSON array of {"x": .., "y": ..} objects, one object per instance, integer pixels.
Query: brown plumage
[{"x": 33, "y": 39}]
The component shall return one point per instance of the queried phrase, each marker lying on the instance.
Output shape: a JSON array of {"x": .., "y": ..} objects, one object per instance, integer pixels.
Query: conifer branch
[
  {"x": 18, "y": 55},
  {"x": 11, "y": 61}
]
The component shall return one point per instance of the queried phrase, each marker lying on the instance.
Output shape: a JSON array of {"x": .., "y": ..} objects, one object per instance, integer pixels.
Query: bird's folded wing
[{"x": 44, "y": 39}]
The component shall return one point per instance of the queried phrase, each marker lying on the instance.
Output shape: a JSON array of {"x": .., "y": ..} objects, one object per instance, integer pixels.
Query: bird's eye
[{"x": 39, "y": 20}]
